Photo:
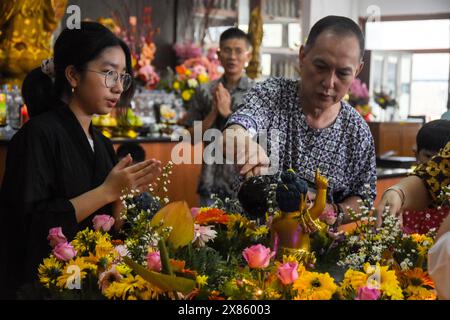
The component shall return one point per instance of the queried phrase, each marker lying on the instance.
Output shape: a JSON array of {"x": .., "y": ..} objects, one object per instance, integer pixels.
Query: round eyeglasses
[{"x": 112, "y": 76}]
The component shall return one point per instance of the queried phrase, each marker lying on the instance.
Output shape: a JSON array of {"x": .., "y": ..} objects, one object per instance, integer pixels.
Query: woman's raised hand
[{"x": 126, "y": 176}]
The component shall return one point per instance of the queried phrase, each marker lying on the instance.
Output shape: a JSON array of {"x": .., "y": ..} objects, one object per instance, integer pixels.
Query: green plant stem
[{"x": 166, "y": 268}]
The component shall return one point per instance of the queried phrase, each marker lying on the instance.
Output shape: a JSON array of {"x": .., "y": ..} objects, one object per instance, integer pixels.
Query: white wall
[{"x": 313, "y": 10}]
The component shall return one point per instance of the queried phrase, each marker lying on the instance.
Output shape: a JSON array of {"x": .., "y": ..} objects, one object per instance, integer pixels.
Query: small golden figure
[{"x": 292, "y": 228}]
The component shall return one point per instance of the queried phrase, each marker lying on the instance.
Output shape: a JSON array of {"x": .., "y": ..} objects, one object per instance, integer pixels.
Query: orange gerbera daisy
[
  {"x": 180, "y": 69},
  {"x": 211, "y": 215},
  {"x": 418, "y": 278},
  {"x": 177, "y": 265}
]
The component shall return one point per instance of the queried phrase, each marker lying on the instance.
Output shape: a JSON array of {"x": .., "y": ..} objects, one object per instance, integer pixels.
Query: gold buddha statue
[
  {"x": 291, "y": 229},
  {"x": 26, "y": 30}
]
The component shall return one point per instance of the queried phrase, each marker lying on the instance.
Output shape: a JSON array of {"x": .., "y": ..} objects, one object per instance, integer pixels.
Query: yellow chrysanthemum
[
  {"x": 132, "y": 288},
  {"x": 202, "y": 78},
  {"x": 420, "y": 293},
  {"x": 387, "y": 282},
  {"x": 176, "y": 85},
  {"x": 186, "y": 95},
  {"x": 259, "y": 232},
  {"x": 77, "y": 267},
  {"x": 354, "y": 279},
  {"x": 123, "y": 269},
  {"x": 419, "y": 238},
  {"x": 49, "y": 271},
  {"x": 86, "y": 240},
  {"x": 314, "y": 286},
  {"x": 123, "y": 289},
  {"x": 424, "y": 243},
  {"x": 289, "y": 258},
  {"x": 237, "y": 223},
  {"x": 201, "y": 280},
  {"x": 104, "y": 247},
  {"x": 237, "y": 219}
]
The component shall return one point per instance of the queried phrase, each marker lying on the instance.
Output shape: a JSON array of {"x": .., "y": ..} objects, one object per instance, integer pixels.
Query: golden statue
[
  {"x": 291, "y": 229},
  {"x": 26, "y": 30},
  {"x": 255, "y": 31}
]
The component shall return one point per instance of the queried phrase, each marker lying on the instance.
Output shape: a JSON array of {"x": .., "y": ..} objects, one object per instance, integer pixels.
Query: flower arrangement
[
  {"x": 194, "y": 69},
  {"x": 358, "y": 97},
  {"x": 387, "y": 245},
  {"x": 170, "y": 251},
  {"x": 138, "y": 34},
  {"x": 384, "y": 100}
]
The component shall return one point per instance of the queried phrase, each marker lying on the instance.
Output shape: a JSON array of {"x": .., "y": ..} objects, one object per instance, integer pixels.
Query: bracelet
[{"x": 399, "y": 191}]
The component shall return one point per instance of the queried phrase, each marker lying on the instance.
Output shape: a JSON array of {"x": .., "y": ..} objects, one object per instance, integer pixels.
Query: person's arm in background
[
  {"x": 422, "y": 189},
  {"x": 410, "y": 193},
  {"x": 201, "y": 102}
]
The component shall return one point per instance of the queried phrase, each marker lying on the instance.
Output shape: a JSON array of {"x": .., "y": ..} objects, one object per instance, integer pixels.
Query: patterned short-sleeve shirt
[
  {"x": 343, "y": 152},
  {"x": 435, "y": 173}
]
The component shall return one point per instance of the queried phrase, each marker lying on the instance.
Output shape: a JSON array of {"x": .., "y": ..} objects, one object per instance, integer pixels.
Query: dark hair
[
  {"x": 132, "y": 148},
  {"x": 340, "y": 26},
  {"x": 234, "y": 33},
  {"x": 37, "y": 97},
  {"x": 253, "y": 195},
  {"x": 75, "y": 47},
  {"x": 433, "y": 135}
]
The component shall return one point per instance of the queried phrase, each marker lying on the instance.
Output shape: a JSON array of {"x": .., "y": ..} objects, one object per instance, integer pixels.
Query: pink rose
[
  {"x": 154, "y": 261},
  {"x": 366, "y": 293},
  {"x": 55, "y": 236},
  {"x": 64, "y": 251},
  {"x": 287, "y": 273},
  {"x": 103, "y": 221},
  {"x": 257, "y": 256}
]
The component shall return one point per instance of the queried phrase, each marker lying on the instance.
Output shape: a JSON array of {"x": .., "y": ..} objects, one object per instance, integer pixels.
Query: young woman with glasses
[{"x": 61, "y": 171}]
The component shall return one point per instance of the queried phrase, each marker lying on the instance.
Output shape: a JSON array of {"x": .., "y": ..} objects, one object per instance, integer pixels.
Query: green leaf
[{"x": 162, "y": 281}]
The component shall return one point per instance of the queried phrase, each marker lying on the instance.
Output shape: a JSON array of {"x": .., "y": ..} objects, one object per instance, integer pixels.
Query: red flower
[{"x": 212, "y": 215}]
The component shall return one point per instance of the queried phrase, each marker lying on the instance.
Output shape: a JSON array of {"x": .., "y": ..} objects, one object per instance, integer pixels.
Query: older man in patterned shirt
[{"x": 316, "y": 129}]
